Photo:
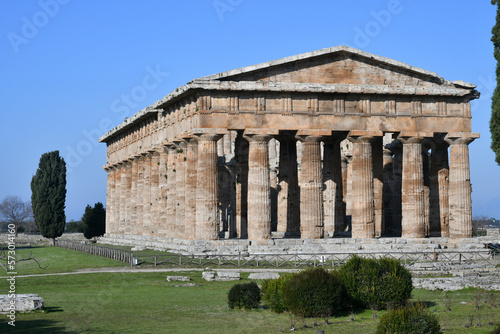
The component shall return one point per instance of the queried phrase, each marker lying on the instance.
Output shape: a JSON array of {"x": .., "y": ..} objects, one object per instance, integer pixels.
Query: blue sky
[{"x": 71, "y": 70}]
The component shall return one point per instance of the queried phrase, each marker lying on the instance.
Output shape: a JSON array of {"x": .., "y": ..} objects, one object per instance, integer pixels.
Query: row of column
[{"x": 173, "y": 191}]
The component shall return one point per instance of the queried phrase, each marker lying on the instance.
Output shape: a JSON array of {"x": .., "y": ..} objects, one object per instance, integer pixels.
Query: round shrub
[
  {"x": 374, "y": 283},
  {"x": 409, "y": 320},
  {"x": 272, "y": 293},
  {"x": 245, "y": 296},
  {"x": 313, "y": 293}
]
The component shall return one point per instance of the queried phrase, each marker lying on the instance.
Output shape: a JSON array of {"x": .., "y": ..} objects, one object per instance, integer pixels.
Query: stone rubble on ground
[{"x": 23, "y": 303}]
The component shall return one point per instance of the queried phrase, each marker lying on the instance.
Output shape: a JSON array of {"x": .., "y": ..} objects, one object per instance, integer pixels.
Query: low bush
[
  {"x": 313, "y": 293},
  {"x": 414, "y": 319},
  {"x": 496, "y": 330},
  {"x": 272, "y": 293},
  {"x": 245, "y": 296},
  {"x": 374, "y": 283}
]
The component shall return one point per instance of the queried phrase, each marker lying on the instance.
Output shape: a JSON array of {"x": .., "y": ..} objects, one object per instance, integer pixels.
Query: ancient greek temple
[{"x": 335, "y": 142}]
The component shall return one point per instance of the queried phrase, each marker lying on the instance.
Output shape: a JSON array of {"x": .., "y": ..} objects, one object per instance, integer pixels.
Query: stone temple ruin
[{"x": 335, "y": 142}]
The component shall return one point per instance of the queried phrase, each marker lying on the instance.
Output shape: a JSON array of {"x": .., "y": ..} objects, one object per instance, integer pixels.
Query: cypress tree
[
  {"x": 94, "y": 220},
  {"x": 495, "y": 105},
  {"x": 48, "y": 195}
]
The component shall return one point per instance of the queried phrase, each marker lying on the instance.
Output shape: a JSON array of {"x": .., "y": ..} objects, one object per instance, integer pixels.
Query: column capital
[
  {"x": 207, "y": 136},
  {"x": 255, "y": 138},
  {"x": 309, "y": 138},
  {"x": 361, "y": 136},
  {"x": 465, "y": 138}
]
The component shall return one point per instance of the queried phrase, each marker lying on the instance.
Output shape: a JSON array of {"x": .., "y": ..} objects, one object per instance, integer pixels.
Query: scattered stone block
[
  {"x": 186, "y": 284},
  {"x": 178, "y": 278},
  {"x": 208, "y": 275},
  {"x": 227, "y": 276},
  {"x": 23, "y": 303},
  {"x": 263, "y": 276}
]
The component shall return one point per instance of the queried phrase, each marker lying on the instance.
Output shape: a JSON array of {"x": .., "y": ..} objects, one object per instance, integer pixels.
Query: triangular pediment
[{"x": 338, "y": 65}]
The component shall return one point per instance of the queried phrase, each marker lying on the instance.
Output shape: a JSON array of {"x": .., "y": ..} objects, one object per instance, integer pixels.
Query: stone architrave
[
  {"x": 311, "y": 187},
  {"x": 259, "y": 195},
  {"x": 460, "y": 224},
  {"x": 288, "y": 195},
  {"x": 207, "y": 222},
  {"x": 413, "y": 192},
  {"x": 190, "y": 193},
  {"x": 362, "y": 197}
]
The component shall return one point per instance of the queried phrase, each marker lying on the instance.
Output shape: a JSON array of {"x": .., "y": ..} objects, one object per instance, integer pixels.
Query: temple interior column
[
  {"x": 460, "y": 203},
  {"x": 333, "y": 193},
  {"x": 413, "y": 194},
  {"x": 288, "y": 187},
  {"x": 311, "y": 189},
  {"x": 439, "y": 174},
  {"x": 362, "y": 198},
  {"x": 241, "y": 157},
  {"x": 397, "y": 174},
  {"x": 378, "y": 185},
  {"x": 259, "y": 196},
  {"x": 388, "y": 192},
  {"x": 191, "y": 179},
  {"x": 207, "y": 227},
  {"x": 273, "y": 181}
]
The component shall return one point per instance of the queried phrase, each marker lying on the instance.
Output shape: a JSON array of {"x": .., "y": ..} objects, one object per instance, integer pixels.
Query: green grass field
[{"x": 147, "y": 303}]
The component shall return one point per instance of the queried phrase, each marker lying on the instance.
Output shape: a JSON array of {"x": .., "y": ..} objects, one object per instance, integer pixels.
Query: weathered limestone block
[
  {"x": 178, "y": 278},
  {"x": 23, "y": 303},
  {"x": 266, "y": 275},
  {"x": 227, "y": 276},
  {"x": 208, "y": 275}
]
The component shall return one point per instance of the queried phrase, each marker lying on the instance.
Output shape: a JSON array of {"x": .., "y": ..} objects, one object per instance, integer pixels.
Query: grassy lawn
[
  {"x": 147, "y": 303},
  {"x": 58, "y": 260}
]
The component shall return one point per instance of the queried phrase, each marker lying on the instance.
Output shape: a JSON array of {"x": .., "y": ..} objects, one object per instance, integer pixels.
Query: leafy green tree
[
  {"x": 495, "y": 105},
  {"x": 48, "y": 195},
  {"x": 94, "y": 220}
]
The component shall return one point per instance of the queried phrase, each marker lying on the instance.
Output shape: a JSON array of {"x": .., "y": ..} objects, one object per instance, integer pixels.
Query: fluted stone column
[
  {"x": 163, "y": 188},
  {"x": 123, "y": 197},
  {"x": 388, "y": 192},
  {"x": 140, "y": 195},
  {"x": 190, "y": 195},
  {"x": 259, "y": 199},
  {"x": 109, "y": 198},
  {"x": 241, "y": 157},
  {"x": 362, "y": 197},
  {"x": 207, "y": 227},
  {"x": 459, "y": 184},
  {"x": 413, "y": 196},
  {"x": 288, "y": 185},
  {"x": 146, "y": 195},
  {"x": 135, "y": 229},
  {"x": 311, "y": 189},
  {"x": 171, "y": 190},
  {"x": 439, "y": 206},
  {"x": 180, "y": 190},
  {"x": 273, "y": 181},
  {"x": 155, "y": 192}
]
